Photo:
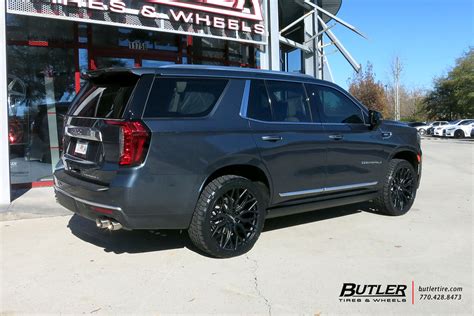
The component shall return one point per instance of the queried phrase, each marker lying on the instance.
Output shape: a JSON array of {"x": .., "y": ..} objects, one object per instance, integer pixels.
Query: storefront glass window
[
  {"x": 106, "y": 36},
  {"x": 108, "y": 62},
  {"x": 40, "y": 89},
  {"x": 22, "y": 28}
]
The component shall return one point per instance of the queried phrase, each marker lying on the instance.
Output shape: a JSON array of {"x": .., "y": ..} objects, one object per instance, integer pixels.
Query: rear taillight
[{"x": 134, "y": 138}]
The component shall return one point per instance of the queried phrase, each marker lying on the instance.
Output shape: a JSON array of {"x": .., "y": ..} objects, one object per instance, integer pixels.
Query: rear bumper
[
  {"x": 127, "y": 205},
  {"x": 89, "y": 209}
]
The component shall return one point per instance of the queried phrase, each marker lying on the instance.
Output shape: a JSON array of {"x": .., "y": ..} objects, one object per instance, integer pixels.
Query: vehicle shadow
[
  {"x": 141, "y": 241},
  {"x": 314, "y": 216},
  {"x": 123, "y": 241}
]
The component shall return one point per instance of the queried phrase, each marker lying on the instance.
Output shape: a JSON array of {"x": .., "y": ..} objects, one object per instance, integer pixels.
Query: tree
[
  {"x": 368, "y": 91},
  {"x": 453, "y": 94},
  {"x": 397, "y": 68}
]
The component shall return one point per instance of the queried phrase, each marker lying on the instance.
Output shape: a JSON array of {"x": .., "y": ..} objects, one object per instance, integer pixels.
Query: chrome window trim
[
  {"x": 245, "y": 99},
  {"x": 87, "y": 202},
  {"x": 329, "y": 189},
  {"x": 283, "y": 123}
]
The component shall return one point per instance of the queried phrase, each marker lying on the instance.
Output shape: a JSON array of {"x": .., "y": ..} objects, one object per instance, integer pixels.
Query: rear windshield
[
  {"x": 184, "y": 97},
  {"x": 105, "y": 100}
]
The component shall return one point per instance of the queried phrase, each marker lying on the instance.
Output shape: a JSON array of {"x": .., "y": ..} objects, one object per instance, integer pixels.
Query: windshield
[
  {"x": 467, "y": 122},
  {"x": 454, "y": 122}
]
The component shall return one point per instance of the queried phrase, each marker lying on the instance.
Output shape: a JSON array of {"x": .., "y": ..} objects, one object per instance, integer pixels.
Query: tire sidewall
[{"x": 237, "y": 182}]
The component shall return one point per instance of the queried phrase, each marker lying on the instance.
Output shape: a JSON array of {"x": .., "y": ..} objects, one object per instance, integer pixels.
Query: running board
[{"x": 314, "y": 206}]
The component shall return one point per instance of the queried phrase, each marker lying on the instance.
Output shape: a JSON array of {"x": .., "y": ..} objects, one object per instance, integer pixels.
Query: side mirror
[{"x": 375, "y": 119}]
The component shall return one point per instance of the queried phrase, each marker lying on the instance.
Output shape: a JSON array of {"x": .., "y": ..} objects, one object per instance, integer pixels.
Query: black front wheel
[
  {"x": 229, "y": 216},
  {"x": 399, "y": 188}
]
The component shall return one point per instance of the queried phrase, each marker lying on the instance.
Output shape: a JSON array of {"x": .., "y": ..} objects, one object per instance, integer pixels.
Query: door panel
[
  {"x": 355, "y": 153},
  {"x": 296, "y": 160},
  {"x": 356, "y": 158},
  {"x": 292, "y": 148}
]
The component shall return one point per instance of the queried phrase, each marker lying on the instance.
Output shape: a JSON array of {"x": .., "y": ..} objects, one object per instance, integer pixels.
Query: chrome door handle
[
  {"x": 272, "y": 138},
  {"x": 336, "y": 137},
  {"x": 386, "y": 135}
]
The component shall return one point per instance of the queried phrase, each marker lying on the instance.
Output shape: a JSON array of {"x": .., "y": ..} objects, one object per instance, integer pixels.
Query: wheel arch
[
  {"x": 249, "y": 171},
  {"x": 407, "y": 154}
]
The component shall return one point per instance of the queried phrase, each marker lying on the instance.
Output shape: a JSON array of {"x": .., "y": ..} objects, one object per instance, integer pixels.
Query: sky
[{"x": 427, "y": 35}]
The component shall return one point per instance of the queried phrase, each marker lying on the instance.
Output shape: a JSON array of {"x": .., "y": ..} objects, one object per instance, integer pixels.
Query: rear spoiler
[{"x": 104, "y": 76}]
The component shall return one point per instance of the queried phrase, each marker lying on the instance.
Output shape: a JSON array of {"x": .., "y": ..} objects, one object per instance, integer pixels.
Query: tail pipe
[{"x": 109, "y": 224}]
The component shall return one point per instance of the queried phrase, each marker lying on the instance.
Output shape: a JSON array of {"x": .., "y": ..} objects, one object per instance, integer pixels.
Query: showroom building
[{"x": 49, "y": 43}]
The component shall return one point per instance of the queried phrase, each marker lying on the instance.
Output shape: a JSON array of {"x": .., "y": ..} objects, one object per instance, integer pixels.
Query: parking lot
[{"x": 63, "y": 264}]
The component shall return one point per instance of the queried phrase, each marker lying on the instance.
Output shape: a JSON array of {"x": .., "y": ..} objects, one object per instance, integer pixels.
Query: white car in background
[
  {"x": 463, "y": 129},
  {"x": 423, "y": 129},
  {"x": 441, "y": 130}
]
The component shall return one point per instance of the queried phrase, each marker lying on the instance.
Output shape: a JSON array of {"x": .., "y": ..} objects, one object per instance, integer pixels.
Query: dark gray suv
[{"x": 217, "y": 150}]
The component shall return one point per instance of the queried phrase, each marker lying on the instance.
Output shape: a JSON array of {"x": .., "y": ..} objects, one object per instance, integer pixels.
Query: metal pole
[
  {"x": 265, "y": 54},
  {"x": 4, "y": 145},
  {"x": 311, "y": 59},
  {"x": 274, "y": 35}
]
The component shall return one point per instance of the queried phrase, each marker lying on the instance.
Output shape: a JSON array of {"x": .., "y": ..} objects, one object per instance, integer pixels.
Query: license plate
[{"x": 81, "y": 147}]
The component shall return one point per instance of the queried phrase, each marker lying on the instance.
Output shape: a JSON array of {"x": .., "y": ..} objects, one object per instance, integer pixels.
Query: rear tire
[
  {"x": 422, "y": 131},
  {"x": 459, "y": 134},
  {"x": 228, "y": 217},
  {"x": 399, "y": 189}
]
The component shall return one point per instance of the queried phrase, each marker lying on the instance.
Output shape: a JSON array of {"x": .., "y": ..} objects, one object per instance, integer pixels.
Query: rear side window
[
  {"x": 288, "y": 101},
  {"x": 278, "y": 101},
  {"x": 172, "y": 97},
  {"x": 102, "y": 100}
]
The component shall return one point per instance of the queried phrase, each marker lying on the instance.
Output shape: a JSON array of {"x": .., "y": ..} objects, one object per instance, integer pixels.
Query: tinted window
[
  {"x": 314, "y": 101},
  {"x": 259, "y": 105},
  {"x": 184, "y": 97},
  {"x": 334, "y": 107},
  {"x": 102, "y": 100},
  {"x": 288, "y": 101}
]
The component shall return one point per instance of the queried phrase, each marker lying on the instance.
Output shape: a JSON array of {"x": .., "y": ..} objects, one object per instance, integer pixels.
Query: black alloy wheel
[
  {"x": 234, "y": 218},
  {"x": 402, "y": 189},
  {"x": 229, "y": 216},
  {"x": 398, "y": 190}
]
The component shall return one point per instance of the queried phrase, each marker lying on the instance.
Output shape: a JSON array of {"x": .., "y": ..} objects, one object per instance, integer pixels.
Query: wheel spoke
[
  {"x": 402, "y": 187},
  {"x": 234, "y": 218}
]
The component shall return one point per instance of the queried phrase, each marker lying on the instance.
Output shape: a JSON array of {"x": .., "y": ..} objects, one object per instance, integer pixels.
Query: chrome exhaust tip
[
  {"x": 114, "y": 225},
  {"x": 102, "y": 223}
]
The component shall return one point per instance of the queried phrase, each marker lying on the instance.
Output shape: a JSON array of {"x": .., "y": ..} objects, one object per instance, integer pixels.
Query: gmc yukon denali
[{"x": 216, "y": 151}]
